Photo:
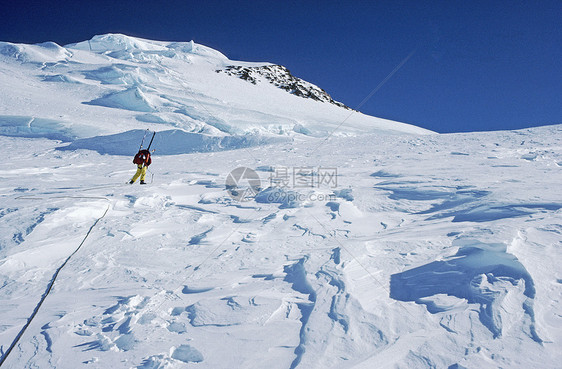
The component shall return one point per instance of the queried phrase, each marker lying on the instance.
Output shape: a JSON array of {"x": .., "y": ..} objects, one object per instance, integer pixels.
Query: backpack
[{"x": 143, "y": 157}]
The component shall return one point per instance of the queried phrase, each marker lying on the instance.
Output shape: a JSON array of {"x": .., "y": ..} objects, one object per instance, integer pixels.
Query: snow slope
[
  {"x": 421, "y": 251},
  {"x": 115, "y": 83}
]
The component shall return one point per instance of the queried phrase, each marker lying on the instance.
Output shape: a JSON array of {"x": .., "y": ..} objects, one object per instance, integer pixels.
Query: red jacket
[{"x": 143, "y": 158}]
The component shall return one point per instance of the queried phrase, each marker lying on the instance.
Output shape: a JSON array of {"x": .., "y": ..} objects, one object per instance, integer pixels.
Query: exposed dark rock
[{"x": 281, "y": 77}]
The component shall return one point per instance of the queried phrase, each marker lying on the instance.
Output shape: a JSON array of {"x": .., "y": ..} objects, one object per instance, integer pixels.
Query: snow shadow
[
  {"x": 133, "y": 99},
  {"x": 451, "y": 198},
  {"x": 21, "y": 228},
  {"x": 345, "y": 194},
  {"x": 479, "y": 273},
  {"x": 277, "y": 195},
  {"x": 487, "y": 213},
  {"x": 296, "y": 276},
  {"x": 198, "y": 238},
  {"x": 30, "y": 127},
  {"x": 384, "y": 174},
  {"x": 170, "y": 142},
  {"x": 463, "y": 204},
  {"x": 116, "y": 74}
]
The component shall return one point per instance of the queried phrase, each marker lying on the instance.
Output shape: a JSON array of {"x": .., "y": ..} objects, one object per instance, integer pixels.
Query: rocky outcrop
[{"x": 281, "y": 77}]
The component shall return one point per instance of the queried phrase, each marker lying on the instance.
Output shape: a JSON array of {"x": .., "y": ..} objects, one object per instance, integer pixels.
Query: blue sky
[{"x": 478, "y": 65}]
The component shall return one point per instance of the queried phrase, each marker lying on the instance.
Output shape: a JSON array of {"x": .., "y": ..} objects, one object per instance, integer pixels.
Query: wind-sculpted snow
[
  {"x": 46, "y": 52},
  {"x": 487, "y": 213},
  {"x": 462, "y": 204},
  {"x": 117, "y": 74},
  {"x": 60, "y": 78},
  {"x": 417, "y": 258},
  {"x": 171, "y": 142},
  {"x": 121, "y": 46},
  {"x": 273, "y": 195},
  {"x": 231, "y": 311},
  {"x": 187, "y": 354},
  {"x": 20, "y": 126},
  {"x": 346, "y": 194},
  {"x": 478, "y": 273},
  {"x": 296, "y": 275},
  {"x": 422, "y": 251},
  {"x": 131, "y": 99},
  {"x": 13, "y": 225}
]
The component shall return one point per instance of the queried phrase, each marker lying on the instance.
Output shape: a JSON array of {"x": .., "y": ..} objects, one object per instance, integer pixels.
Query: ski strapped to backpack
[
  {"x": 143, "y": 138},
  {"x": 152, "y": 139}
]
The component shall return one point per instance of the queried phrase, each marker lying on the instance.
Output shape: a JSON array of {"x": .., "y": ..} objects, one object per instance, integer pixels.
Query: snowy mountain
[
  {"x": 115, "y": 84},
  {"x": 259, "y": 240}
]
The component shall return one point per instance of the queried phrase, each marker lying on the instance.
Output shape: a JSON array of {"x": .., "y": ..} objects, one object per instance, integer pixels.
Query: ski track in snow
[{"x": 437, "y": 251}]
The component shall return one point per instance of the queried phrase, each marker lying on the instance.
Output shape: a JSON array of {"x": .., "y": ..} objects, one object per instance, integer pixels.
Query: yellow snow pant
[{"x": 141, "y": 171}]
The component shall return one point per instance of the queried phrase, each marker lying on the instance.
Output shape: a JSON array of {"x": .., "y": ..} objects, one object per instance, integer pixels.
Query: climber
[{"x": 142, "y": 160}]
